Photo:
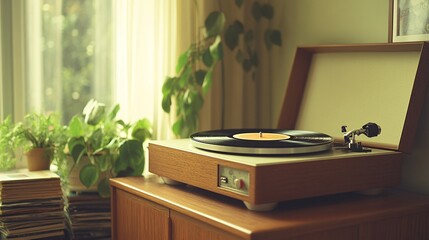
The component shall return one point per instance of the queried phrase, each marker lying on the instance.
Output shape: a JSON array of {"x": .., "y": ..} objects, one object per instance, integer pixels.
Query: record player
[{"x": 329, "y": 87}]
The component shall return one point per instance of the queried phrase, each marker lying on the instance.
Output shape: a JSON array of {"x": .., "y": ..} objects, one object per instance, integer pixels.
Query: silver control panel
[{"x": 233, "y": 179}]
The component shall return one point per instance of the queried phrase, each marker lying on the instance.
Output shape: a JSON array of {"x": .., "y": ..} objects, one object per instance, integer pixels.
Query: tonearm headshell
[{"x": 370, "y": 130}]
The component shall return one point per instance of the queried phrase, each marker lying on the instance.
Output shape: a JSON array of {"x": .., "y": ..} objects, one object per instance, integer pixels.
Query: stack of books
[
  {"x": 88, "y": 216},
  {"x": 31, "y": 205}
]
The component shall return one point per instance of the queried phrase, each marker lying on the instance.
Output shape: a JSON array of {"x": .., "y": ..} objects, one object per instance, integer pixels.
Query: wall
[{"x": 309, "y": 22}]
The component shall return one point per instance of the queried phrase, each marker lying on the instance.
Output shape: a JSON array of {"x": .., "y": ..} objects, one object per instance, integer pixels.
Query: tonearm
[{"x": 370, "y": 130}]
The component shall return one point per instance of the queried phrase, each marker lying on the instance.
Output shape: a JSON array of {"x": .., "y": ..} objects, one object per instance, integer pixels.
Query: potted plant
[
  {"x": 101, "y": 146},
  {"x": 42, "y": 139},
  {"x": 7, "y": 154}
]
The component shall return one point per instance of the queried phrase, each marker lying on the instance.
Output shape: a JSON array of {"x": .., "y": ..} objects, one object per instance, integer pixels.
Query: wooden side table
[{"x": 145, "y": 208}]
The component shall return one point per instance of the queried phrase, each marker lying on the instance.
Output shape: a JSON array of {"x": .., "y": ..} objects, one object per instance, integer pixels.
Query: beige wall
[
  {"x": 308, "y": 22},
  {"x": 305, "y": 22}
]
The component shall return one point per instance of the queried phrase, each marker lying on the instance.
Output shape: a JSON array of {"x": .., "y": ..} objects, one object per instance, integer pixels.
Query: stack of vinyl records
[
  {"x": 88, "y": 216},
  {"x": 31, "y": 205}
]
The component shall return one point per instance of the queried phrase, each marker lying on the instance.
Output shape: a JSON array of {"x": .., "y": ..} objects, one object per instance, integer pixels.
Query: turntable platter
[{"x": 262, "y": 141}]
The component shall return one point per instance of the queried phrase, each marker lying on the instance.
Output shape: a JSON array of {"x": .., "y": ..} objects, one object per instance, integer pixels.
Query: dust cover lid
[{"x": 351, "y": 85}]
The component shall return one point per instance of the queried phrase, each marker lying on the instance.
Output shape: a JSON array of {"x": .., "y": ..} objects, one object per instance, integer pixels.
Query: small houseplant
[
  {"x": 42, "y": 138},
  {"x": 101, "y": 146}
]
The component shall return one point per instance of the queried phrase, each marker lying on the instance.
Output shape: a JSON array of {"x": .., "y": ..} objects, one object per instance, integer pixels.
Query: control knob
[{"x": 239, "y": 183}]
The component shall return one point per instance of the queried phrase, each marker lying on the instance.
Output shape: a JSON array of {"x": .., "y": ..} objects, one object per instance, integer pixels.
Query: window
[
  {"x": 70, "y": 54},
  {"x": 60, "y": 53}
]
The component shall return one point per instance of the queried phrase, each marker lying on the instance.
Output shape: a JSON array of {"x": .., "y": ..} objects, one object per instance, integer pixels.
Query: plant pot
[
  {"x": 73, "y": 181},
  {"x": 38, "y": 159}
]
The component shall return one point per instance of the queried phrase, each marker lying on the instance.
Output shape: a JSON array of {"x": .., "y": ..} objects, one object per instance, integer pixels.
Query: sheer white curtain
[
  {"x": 1, "y": 71},
  {"x": 145, "y": 55}
]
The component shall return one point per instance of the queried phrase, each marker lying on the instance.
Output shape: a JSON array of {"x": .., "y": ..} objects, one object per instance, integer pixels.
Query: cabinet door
[
  {"x": 137, "y": 218},
  {"x": 187, "y": 228},
  {"x": 412, "y": 226}
]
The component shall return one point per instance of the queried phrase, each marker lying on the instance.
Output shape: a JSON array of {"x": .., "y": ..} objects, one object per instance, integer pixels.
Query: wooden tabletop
[{"x": 289, "y": 218}]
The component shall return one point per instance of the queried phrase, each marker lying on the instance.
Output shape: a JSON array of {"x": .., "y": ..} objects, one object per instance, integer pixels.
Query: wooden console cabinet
[{"x": 145, "y": 208}]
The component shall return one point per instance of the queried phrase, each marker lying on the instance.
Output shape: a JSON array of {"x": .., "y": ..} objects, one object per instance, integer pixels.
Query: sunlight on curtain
[
  {"x": 2, "y": 113},
  {"x": 34, "y": 56},
  {"x": 145, "y": 45}
]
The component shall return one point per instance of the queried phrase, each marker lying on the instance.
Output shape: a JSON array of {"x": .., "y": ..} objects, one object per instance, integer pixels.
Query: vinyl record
[{"x": 262, "y": 141}]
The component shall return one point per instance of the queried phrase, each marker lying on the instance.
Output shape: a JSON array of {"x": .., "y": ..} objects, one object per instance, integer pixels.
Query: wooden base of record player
[{"x": 263, "y": 181}]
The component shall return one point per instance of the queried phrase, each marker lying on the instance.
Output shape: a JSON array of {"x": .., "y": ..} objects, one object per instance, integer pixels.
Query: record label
[
  {"x": 260, "y": 136},
  {"x": 262, "y": 141}
]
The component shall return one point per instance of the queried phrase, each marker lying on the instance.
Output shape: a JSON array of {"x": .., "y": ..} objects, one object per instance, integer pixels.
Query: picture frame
[{"x": 409, "y": 20}]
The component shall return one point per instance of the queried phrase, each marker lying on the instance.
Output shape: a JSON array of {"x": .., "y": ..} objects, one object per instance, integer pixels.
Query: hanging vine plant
[{"x": 194, "y": 70}]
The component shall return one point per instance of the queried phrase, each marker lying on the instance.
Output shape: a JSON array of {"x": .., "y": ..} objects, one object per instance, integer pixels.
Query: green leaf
[
  {"x": 76, "y": 147},
  {"x": 179, "y": 103},
  {"x": 207, "y": 58},
  {"x": 199, "y": 76},
  {"x": 207, "y": 82},
  {"x": 181, "y": 62},
  {"x": 131, "y": 151},
  {"x": 103, "y": 188},
  {"x": 96, "y": 138},
  {"x": 114, "y": 112},
  {"x": 177, "y": 127},
  {"x": 216, "y": 49},
  {"x": 89, "y": 175},
  {"x": 214, "y": 23},
  {"x": 121, "y": 164},
  {"x": 103, "y": 161},
  {"x": 276, "y": 37},
  {"x": 121, "y": 123},
  {"x": 197, "y": 102},
  {"x": 256, "y": 11},
  {"x": 75, "y": 128},
  {"x": 168, "y": 85},
  {"x": 184, "y": 78},
  {"x": 166, "y": 103},
  {"x": 239, "y": 3},
  {"x": 94, "y": 112},
  {"x": 141, "y": 130},
  {"x": 267, "y": 11},
  {"x": 231, "y": 37},
  {"x": 186, "y": 97},
  {"x": 125, "y": 173}
]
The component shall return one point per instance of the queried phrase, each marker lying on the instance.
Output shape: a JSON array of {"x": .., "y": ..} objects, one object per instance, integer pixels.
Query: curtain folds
[
  {"x": 145, "y": 55},
  {"x": 235, "y": 100},
  {"x": 149, "y": 37},
  {"x": 147, "y": 48}
]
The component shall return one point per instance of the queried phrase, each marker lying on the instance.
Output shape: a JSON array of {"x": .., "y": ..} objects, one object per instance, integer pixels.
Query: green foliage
[
  {"x": 7, "y": 155},
  {"x": 194, "y": 69},
  {"x": 111, "y": 145},
  {"x": 194, "y": 77},
  {"x": 35, "y": 131},
  {"x": 246, "y": 54},
  {"x": 39, "y": 131}
]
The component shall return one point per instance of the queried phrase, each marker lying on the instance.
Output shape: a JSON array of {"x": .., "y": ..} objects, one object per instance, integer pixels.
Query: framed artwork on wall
[{"x": 409, "y": 20}]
